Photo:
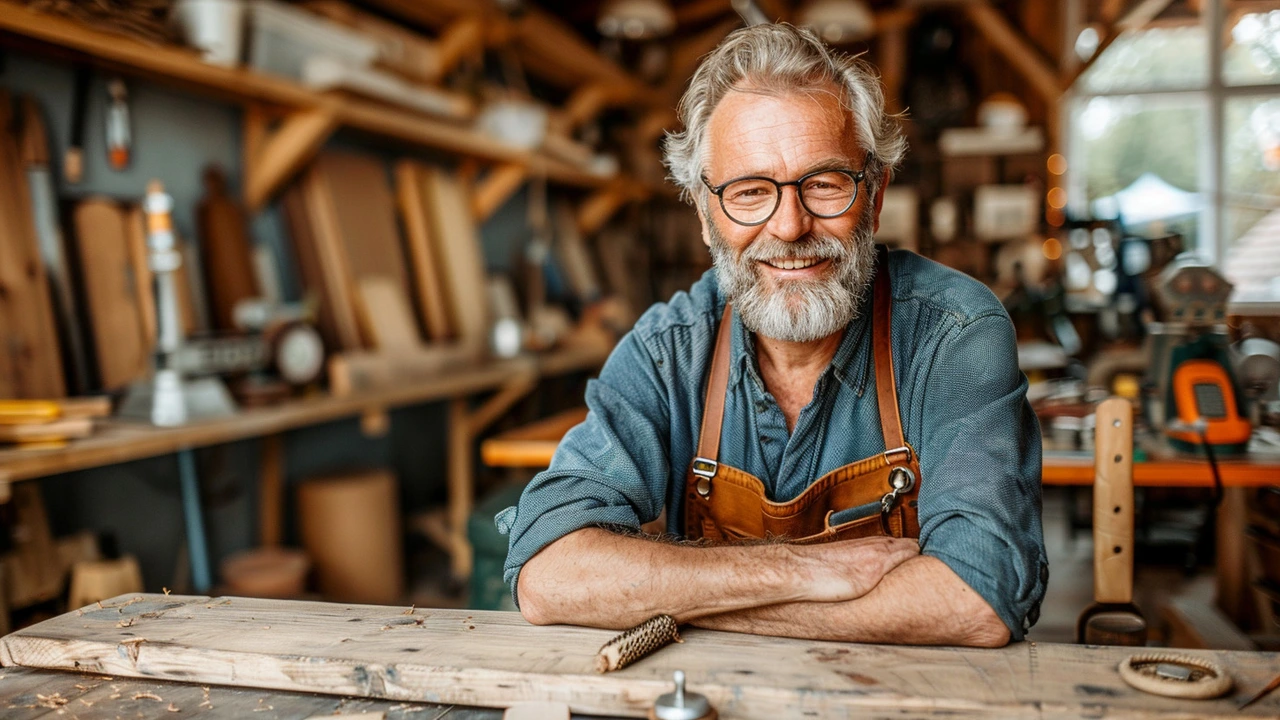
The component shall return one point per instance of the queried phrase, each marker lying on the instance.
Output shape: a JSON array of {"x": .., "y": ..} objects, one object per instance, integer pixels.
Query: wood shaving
[
  {"x": 126, "y": 623},
  {"x": 147, "y": 696},
  {"x": 52, "y": 702},
  {"x": 133, "y": 641},
  {"x": 86, "y": 703},
  {"x": 166, "y": 590},
  {"x": 409, "y": 611},
  {"x": 225, "y": 601},
  {"x": 173, "y": 708}
]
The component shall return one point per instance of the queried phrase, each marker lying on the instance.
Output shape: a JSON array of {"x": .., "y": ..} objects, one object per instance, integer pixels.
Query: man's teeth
[{"x": 793, "y": 263}]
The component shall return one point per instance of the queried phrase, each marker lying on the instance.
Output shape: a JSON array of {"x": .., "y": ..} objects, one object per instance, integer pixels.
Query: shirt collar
[{"x": 851, "y": 364}]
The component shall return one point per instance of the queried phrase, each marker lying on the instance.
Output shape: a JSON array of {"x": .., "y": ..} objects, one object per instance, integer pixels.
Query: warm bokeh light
[
  {"x": 1057, "y": 164},
  {"x": 1052, "y": 248},
  {"x": 1054, "y": 217},
  {"x": 1057, "y": 198}
]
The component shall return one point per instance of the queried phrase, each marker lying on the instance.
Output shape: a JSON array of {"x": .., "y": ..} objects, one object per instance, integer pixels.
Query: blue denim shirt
[{"x": 963, "y": 404}]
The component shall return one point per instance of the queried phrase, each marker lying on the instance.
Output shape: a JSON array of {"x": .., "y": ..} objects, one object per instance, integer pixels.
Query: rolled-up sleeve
[
  {"x": 980, "y": 457},
  {"x": 611, "y": 469}
]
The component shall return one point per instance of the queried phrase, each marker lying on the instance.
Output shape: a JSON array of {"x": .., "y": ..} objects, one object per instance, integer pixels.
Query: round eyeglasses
[{"x": 753, "y": 200}]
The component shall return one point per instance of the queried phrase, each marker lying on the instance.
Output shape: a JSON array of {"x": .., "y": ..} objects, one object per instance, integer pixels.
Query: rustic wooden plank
[
  {"x": 27, "y": 694},
  {"x": 459, "y": 255},
  {"x": 497, "y": 659},
  {"x": 28, "y": 333},
  {"x": 113, "y": 288},
  {"x": 425, "y": 268}
]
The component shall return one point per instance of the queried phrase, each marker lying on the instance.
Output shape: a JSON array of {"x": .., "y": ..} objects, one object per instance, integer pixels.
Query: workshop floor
[{"x": 1070, "y": 577}]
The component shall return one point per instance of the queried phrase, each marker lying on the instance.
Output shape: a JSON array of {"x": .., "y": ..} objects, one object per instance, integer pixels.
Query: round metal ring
[
  {"x": 1206, "y": 679},
  {"x": 905, "y": 477}
]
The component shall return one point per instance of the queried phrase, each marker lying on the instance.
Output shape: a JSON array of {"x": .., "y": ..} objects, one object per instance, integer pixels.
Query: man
[{"x": 804, "y": 428}]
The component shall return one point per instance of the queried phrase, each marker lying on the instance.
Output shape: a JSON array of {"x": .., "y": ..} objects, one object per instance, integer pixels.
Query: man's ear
[
  {"x": 880, "y": 201},
  {"x": 702, "y": 218}
]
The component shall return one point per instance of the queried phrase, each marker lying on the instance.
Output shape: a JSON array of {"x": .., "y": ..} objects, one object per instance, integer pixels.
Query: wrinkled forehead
[{"x": 758, "y": 128}]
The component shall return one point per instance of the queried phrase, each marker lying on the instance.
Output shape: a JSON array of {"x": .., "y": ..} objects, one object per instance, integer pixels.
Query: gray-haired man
[{"x": 862, "y": 409}]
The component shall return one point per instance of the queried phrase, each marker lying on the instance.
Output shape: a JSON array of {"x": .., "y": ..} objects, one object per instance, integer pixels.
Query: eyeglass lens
[{"x": 753, "y": 200}]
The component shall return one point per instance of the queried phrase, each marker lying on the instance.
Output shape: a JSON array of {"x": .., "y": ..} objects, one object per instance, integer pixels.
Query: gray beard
[{"x": 797, "y": 310}]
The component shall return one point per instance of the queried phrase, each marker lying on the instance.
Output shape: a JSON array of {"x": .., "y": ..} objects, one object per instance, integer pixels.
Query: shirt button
[
  {"x": 765, "y": 439},
  {"x": 762, "y": 406}
]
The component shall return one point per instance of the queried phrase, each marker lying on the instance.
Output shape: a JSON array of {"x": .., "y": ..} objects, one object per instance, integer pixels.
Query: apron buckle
[
  {"x": 705, "y": 470},
  {"x": 904, "y": 450}
]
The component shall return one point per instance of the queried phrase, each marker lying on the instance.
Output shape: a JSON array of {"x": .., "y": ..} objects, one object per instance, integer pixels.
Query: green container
[{"x": 488, "y": 591}]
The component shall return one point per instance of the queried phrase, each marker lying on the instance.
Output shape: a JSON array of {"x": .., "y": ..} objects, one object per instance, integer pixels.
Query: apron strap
[
  {"x": 882, "y": 344},
  {"x": 717, "y": 388},
  {"x": 886, "y": 386}
]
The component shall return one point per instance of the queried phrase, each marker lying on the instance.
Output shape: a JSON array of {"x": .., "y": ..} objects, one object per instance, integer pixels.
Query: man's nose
[{"x": 791, "y": 221}]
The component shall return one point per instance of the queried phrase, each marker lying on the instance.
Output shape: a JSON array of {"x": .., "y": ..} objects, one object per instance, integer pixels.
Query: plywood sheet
[
  {"x": 31, "y": 366},
  {"x": 227, "y": 250},
  {"x": 497, "y": 659},
  {"x": 458, "y": 252},
  {"x": 385, "y": 316},
  {"x": 429, "y": 291},
  {"x": 331, "y": 258},
  {"x": 122, "y": 333},
  {"x": 365, "y": 211},
  {"x": 302, "y": 238}
]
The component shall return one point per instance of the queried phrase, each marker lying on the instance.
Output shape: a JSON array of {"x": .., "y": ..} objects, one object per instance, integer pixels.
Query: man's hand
[{"x": 849, "y": 569}]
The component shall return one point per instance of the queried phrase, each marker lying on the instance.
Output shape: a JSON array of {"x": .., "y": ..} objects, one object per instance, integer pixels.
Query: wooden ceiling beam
[
  {"x": 1015, "y": 47},
  {"x": 700, "y": 10}
]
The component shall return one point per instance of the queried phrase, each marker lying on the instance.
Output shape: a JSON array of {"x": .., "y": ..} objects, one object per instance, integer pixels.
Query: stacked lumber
[
  {"x": 385, "y": 320},
  {"x": 49, "y": 423}
]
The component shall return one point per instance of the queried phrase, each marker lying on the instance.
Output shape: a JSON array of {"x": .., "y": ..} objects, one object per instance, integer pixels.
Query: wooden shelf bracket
[
  {"x": 600, "y": 206},
  {"x": 273, "y": 156},
  {"x": 494, "y": 189}
]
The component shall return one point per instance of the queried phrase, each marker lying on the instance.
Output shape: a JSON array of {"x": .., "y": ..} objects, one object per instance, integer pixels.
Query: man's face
[{"x": 796, "y": 277}]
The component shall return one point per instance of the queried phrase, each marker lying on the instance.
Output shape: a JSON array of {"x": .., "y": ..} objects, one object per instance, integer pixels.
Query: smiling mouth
[{"x": 793, "y": 263}]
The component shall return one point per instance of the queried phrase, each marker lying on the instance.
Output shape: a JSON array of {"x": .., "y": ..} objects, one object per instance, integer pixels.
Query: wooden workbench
[{"x": 494, "y": 659}]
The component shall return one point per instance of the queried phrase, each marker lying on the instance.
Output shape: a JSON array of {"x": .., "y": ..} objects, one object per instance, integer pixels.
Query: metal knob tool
[{"x": 681, "y": 705}]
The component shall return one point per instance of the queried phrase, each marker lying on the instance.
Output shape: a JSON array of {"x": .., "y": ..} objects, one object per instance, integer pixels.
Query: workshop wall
[{"x": 175, "y": 136}]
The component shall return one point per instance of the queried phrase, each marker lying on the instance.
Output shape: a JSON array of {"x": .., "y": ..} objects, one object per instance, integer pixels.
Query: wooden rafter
[
  {"x": 1015, "y": 47},
  {"x": 496, "y": 188},
  {"x": 274, "y": 156}
]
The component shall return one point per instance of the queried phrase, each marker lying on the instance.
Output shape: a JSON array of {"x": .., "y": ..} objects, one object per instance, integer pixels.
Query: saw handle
[{"x": 1113, "y": 503}]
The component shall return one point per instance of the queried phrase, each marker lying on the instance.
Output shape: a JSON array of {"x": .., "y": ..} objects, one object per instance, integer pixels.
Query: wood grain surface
[
  {"x": 27, "y": 694},
  {"x": 496, "y": 659}
]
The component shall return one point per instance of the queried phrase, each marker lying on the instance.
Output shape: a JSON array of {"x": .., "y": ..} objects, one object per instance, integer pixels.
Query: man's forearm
[
  {"x": 921, "y": 602},
  {"x": 602, "y": 579}
]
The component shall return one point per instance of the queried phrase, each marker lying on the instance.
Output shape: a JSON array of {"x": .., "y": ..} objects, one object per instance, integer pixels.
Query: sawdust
[{"x": 147, "y": 696}]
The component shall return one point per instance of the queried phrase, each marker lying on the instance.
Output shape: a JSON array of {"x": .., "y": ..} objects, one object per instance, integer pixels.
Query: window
[{"x": 1175, "y": 127}]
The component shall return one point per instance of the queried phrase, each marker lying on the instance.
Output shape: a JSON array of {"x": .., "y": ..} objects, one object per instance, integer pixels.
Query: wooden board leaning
[{"x": 496, "y": 659}]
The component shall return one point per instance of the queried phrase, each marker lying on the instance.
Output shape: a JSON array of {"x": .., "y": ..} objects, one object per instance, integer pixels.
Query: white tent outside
[{"x": 1146, "y": 200}]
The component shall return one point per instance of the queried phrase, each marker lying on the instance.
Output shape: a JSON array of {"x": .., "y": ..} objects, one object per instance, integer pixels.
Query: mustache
[{"x": 769, "y": 249}]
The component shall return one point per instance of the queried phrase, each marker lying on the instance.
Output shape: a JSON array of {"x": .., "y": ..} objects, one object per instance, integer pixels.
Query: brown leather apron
[{"x": 875, "y": 496}]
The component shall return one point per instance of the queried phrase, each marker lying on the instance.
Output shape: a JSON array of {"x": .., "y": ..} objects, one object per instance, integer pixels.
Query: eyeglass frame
[{"x": 857, "y": 177}]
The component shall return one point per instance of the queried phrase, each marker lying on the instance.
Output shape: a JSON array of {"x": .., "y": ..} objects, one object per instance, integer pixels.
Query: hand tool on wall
[
  {"x": 1113, "y": 619},
  {"x": 119, "y": 132},
  {"x": 44, "y": 207},
  {"x": 167, "y": 398},
  {"x": 73, "y": 161}
]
